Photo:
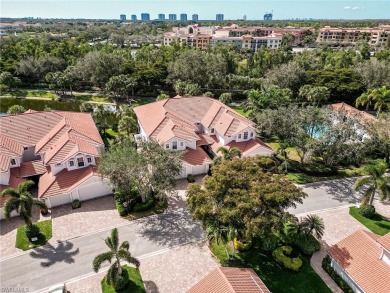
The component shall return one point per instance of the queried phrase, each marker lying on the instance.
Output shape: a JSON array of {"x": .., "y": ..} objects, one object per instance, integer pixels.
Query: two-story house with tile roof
[
  {"x": 57, "y": 149},
  {"x": 198, "y": 126}
]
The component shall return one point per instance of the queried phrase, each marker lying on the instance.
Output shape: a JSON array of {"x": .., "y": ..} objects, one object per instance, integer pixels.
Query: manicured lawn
[
  {"x": 154, "y": 210},
  {"x": 292, "y": 152},
  {"x": 136, "y": 284},
  {"x": 31, "y": 93},
  {"x": 275, "y": 278},
  {"x": 378, "y": 224},
  {"x": 23, "y": 243},
  {"x": 239, "y": 110}
]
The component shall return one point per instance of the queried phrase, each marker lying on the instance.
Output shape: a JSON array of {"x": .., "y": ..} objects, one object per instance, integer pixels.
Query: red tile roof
[
  {"x": 63, "y": 182},
  {"x": 385, "y": 241},
  {"x": 32, "y": 168},
  {"x": 159, "y": 119},
  {"x": 14, "y": 182},
  {"x": 247, "y": 148},
  {"x": 359, "y": 255},
  {"x": 230, "y": 280},
  {"x": 349, "y": 110},
  {"x": 196, "y": 157}
]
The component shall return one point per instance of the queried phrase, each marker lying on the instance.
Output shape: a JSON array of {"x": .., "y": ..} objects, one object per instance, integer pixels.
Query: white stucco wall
[
  {"x": 4, "y": 177},
  {"x": 386, "y": 256},
  {"x": 55, "y": 169},
  {"x": 345, "y": 276}
]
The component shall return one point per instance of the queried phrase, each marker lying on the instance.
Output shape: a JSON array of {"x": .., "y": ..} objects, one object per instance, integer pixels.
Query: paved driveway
[{"x": 327, "y": 195}]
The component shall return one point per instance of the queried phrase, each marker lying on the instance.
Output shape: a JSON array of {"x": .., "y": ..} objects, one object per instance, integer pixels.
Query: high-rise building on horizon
[
  {"x": 268, "y": 16},
  {"x": 122, "y": 17},
  {"x": 195, "y": 17},
  {"x": 172, "y": 17},
  {"x": 219, "y": 17},
  {"x": 183, "y": 17},
  {"x": 161, "y": 17},
  {"x": 133, "y": 17},
  {"x": 145, "y": 16}
]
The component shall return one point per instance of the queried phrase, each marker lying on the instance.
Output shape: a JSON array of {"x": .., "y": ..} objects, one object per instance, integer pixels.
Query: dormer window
[
  {"x": 245, "y": 135},
  {"x": 80, "y": 162},
  {"x": 25, "y": 148},
  {"x": 13, "y": 162},
  {"x": 71, "y": 163},
  {"x": 89, "y": 159},
  {"x": 167, "y": 145},
  {"x": 174, "y": 145},
  {"x": 212, "y": 130}
]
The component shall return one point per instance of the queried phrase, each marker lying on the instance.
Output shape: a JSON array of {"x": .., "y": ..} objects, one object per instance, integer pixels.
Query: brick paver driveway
[{"x": 92, "y": 216}]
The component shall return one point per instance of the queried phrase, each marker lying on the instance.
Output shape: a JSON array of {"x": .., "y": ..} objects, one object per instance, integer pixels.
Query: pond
[{"x": 39, "y": 105}]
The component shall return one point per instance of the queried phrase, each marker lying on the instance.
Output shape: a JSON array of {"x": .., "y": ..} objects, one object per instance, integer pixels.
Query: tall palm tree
[
  {"x": 374, "y": 181},
  {"x": 364, "y": 99},
  {"x": 21, "y": 201},
  {"x": 313, "y": 224},
  {"x": 229, "y": 154},
  {"x": 116, "y": 252},
  {"x": 219, "y": 233},
  {"x": 380, "y": 96}
]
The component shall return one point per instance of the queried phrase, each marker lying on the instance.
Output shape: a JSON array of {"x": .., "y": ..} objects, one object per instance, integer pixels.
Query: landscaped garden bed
[
  {"x": 332, "y": 273},
  {"x": 135, "y": 285},
  {"x": 377, "y": 224},
  {"x": 22, "y": 242}
]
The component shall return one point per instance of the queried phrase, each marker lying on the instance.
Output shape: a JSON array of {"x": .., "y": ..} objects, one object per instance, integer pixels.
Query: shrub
[
  {"x": 209, "y": 94},
  {"x": 121, "y": 209},
  {"x": 140, "y": 207},
  {"x": 226, "y": 98},
  {"x": 190, "y": 178},
  {"x": 32, "y": 231},
  {"x": 332, "y": 273},
  {"x": 281, "y": 255},
  {"x": 308, "y": 244},
  {"x": 270, "y": 243},
  {"x": 121, "y": 281},
  {"x": 242, "y": 245},
  {"x": 76, "y": 204},
  {"x": 368, "y": 211}
]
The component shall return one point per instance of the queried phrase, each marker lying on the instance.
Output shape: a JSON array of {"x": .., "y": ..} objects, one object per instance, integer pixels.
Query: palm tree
[
  {"x": 381, "y": 97},
  {"x": 21, "y": 201},
  {"x": 219, "y": 233},
  {"x": 313, "y": 224},
  {"x": 364, "y": 99},
  {"x": 375, "y": 181},
  {"x": 116, "y": 252},
  {"x": 229, "y": 154}
]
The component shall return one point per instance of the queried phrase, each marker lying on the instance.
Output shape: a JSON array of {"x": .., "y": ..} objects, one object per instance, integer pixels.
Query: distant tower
[
  {"x": 172, "y": 17},
  {"x": 122, "y": 17},
  {"x": 133, "y": 17},
  {"x": 145, "y": 16},
  {"x": 244, "y": 17},
  {"x": 195, "y": 17},
  {"x": 219, "y": 17},
  {"x": 161, "y": 17},
  {"x": 267, "y": 16},
  {"x": 183, "y": 17}
]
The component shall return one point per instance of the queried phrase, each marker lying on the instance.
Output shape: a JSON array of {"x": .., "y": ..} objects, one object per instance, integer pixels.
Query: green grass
[
  {"x": 23, "y": 243},
  {"x": 143, "y": 101},
  {"x": 136, "y": 284},
  {"x": 91, "y": 97},
  {"x": 239, "y": 110},
  {"x": 378, "y": 224},
  {"x": 154, "y": 210},
  {"x": 31, "y": 93},
  {"x": 275, "y": 278},
  {"x": 292, "y": 152}
]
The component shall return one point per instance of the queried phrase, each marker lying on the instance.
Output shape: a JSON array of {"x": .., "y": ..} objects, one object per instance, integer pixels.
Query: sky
[{"x": 206, "y": 9}]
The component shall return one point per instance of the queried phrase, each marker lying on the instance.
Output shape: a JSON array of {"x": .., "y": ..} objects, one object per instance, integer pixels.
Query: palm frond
[
  {"x": 115, "y": 238},
  {"x": 10, "y": 191},
  {"x": 23, "y": 187},
  {"x": 111, "y": 274},
  {"x": 360, "y": 182},
  {"x": 126, "y": 256},
  {"x": 11, "y": 205},
  {"x": 125, "y": 245},
  {"x": 101, "y": 258}
]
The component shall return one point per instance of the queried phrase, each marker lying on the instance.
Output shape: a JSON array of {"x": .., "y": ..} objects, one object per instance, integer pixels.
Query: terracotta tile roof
[
  {"x": 247, "y": 148},
  {"x": 184, "y": 113},
  {"x": 14, "y": 181},
  {"x": 204, "y": 140},
  {"x": 196, "y": 157},
  {"x": 32, "y": 168},
  {"x": 352, "y": 111},
  {"x": 63, "y": 182},
  {"x": 359, "y": 255},
  {"x": 230, "y": 280},
  {"x": 385, "y": 241}
]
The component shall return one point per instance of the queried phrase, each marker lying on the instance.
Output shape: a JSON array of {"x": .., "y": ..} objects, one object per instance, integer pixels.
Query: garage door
[
  {"x": 196, "y": 170},
  {"x": 93, "y": 190},
  {"x": 59, "y": 200}
]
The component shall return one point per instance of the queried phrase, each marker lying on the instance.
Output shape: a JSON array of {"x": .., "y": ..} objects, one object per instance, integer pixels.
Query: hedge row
[
  {"x": 281, "y": 255},
  {"x": 332, "y": 273},
  {"x": 140, "y": 207},
  {"x": 308, "y": 245}
]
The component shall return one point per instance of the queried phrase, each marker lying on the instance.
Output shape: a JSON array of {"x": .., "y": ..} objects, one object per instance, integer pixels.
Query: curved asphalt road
[{"x": 46, "y": 266}]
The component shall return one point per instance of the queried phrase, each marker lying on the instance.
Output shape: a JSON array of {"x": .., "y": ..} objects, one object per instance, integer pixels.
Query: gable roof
[
  {"x": 359, "y": 255},
  {"x": 181, "y": 115},
  {"x": 352, "y": 111},
  {"x": 385, "y": 241},
  {"x": 230, "y": 280}
]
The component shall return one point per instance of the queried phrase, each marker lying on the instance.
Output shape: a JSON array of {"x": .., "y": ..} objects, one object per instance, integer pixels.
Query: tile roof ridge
[
  {"x": 178, "y": 116},
  {"x": 3, "y": 136},
  {"x": 219, "y": 270},
  {"x": 61, "y": 124},
  {"x": 64, "y": 139},
  {"x": 230, "y": 124},
  {"x": 85, "y": 176},
  {"x": 52, "y": 178},
  {"x": 158, "y": 125}
]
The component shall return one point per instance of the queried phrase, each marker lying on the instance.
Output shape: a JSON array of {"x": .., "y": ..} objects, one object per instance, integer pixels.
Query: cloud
[
  {"x": 354, "y": 8},
  {"x": 347, "y": 7}
]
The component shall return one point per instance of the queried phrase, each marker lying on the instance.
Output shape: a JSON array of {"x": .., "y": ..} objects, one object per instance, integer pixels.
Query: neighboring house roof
[
  {"x": 63, "y": 182},
  {"x": 57, "y": 134},
  {"x": 247, "y": 148},
  {"x": 177, "y": 117},
  {"x": 352, "y": 111},
  {"x": 14, "y": 182},
  {"x": 196, "y": 157},
  {"x": 359, "y": 255},
  {"x": 385, "y": 241},
  {"x": 230, "y": 280}
]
